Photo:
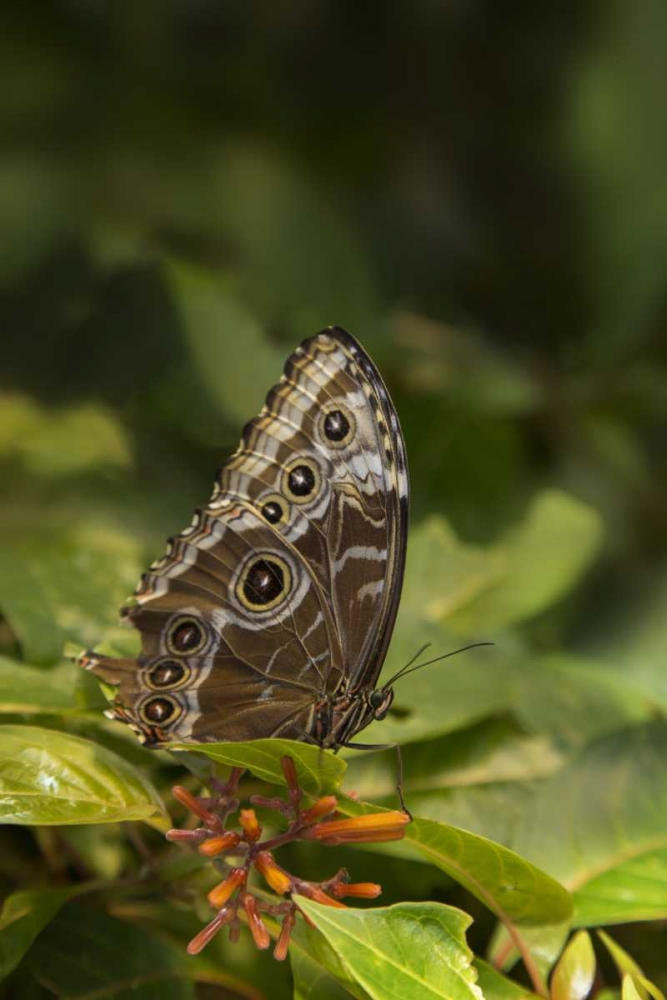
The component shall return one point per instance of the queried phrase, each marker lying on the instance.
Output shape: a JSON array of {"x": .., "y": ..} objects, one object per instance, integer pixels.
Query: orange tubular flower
[
  {"x": 188, "y": 800},
  {"x": 216, "y": 845},
  {"x": 325, "y": 805},
  {"x": 276, "y": 877},
  {"x": 282, "y": 944},
  {"x": 362, "y": 890},
  {"x": 255, "y": 923},
  {"x": 314, "y": 892},
  {"x": 361, "y": 829},
  {"x": 202, "y": 939},
  {"x": 218, "y": 896},
  {"x": 249, "y": 824}
]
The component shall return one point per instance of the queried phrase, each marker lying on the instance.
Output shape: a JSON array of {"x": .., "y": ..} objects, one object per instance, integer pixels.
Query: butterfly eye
[
  {"x": 302, "y": 481},
  {"x": 167, "y": 674},
  {"x": 380, "y": 701},
  {"x": 186, "y": 635},
  {"x": 160, "y": 711},
  {"x": 337, "y": 427},
  {"x": 264, "y": 583}
]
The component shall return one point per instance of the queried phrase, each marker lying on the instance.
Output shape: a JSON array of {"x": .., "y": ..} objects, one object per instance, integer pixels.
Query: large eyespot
[
  {"x": 274, "y": 509},
  {"x": 264, "y": 583},
  {"x": 160, "y": 711},
  {"x": 337, "y": 426},
  {"x": 168, "y": 674},
  {"x": 302, "y": 480},
  {"x": 186, "y": 636}
]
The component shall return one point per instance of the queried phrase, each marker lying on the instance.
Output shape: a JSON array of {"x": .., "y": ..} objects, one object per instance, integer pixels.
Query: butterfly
[{"x": 271, "y": 614}]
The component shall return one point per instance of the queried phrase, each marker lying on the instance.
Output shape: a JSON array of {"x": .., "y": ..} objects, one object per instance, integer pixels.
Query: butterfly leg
[{"x": 399, "y": 767}]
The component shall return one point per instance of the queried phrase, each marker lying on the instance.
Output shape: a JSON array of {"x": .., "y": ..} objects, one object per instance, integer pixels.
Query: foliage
[{"x": 187, "y": 190}]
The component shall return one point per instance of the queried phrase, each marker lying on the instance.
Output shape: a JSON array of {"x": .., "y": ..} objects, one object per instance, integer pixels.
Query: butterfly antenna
[{"x": 409, "y": 669}]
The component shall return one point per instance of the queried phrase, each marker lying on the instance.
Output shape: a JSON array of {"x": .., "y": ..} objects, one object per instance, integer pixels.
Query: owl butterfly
[{"x": 271, "y": 614}]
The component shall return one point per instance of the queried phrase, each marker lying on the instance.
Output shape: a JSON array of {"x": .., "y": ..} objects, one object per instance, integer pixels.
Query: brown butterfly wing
[{"x": 284, "y": 590}]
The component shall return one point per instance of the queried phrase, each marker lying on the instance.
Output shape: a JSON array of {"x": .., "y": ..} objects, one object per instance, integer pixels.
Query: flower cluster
[{"x": 232, "y": 899}]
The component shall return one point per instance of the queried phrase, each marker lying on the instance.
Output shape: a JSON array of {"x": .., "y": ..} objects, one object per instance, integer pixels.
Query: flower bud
[
  {"x": 192, "y": 803},
  {"x": 218, "y": 845},
  {"x": 202, "y": 939},
  {"x": 218, "y": 896},
  {"x": 361, "y": 890},
  {"x": 255, "y": 922},
  {"x": 361, "y": 829},
  {"x": 249, "y": 824},
  {"x": 276, "y": 877},
  {"x": 282, "y": 944},
  {"x": 314, "y": 892},
  {"x": 322, "y": 807}
]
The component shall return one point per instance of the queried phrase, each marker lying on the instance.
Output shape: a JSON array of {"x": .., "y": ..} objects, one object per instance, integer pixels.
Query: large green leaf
[
  {"x": 600, "y": 826},
  {"x": 495, "y": 986},
  {"x": 80, "y": 439},
  {"x": 512, "y": 888},
  {"x": 49, "y": 778},
  {"x": 317, "y": 968},
  {"x": 404, "y": 951},
  {"x": 39, "y": 692},
  {"x": 313, "y": 982},
  {"x": 64, "y": 582},
  {"x": 86, "y": 953},
  {"x": 234, "y": 359},
  {"x": 319, "y": 771},
  {"x": 445, "y": 696},
  {"x": 493, "y": 751},
  {"x": 529, "y": 903},
  {"x": 24, "y": 915},
  {"x": 635, "y": 889},
  {"x": 304, "y": 265},
  {"x": 473, "y": 587}
]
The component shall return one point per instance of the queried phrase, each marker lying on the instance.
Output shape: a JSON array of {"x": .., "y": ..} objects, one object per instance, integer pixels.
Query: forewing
[{"x": 352, "y": 529}]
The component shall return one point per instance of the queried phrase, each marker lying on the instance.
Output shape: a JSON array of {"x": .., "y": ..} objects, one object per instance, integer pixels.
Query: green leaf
[
  {"x": 524, "y": 898},
  {"x": 623, "y": 962},
  {"x": 24, "y": 915},
  {"x": 512, "y": 888},
  {"x": 233, "y": 357},
  {"x": 408, "y": 950},
  {"x": 473, "y": 587},
  {"x": 311, "y": 979},
  {"x": 574, "y": 974},
  {"x": 319, "y": 772},
  {"x": 626, "y": 965},
  {"x": 86, "y": 953},
  {"x": 544, "y": 944},
  {"x": 495, "y": 750},
  {"x": 303, "y": 261},
  {"x": 39, "y": 692},
  {"x": 575, "y": 700},
  {"x": 448, "y": 695},
  {"x": 495, "y": 986},
  {"x": 49, "y": 778},
  {"x": 635, "y": 889},
  {"x": 629, "y": 989},
  {"x": 64, "y": 582},
  {"x": 604, "y": 813}
]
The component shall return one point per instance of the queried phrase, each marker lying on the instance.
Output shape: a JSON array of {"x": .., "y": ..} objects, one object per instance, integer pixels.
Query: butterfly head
[{"x": 379, "y": 702}]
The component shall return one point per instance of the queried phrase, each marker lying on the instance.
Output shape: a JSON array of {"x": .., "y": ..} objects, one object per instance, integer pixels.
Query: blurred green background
[{"x": 477, "y": 191}]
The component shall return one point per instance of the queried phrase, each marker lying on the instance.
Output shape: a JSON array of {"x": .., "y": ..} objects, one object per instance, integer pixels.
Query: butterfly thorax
[{"x": 337, "y": 720}]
